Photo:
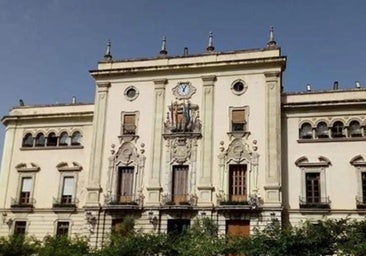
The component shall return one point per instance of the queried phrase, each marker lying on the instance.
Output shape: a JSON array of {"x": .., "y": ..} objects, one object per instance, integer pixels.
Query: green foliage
[
  {"x": 63, "y": 246},
  {"x": 17, "y": 245}
]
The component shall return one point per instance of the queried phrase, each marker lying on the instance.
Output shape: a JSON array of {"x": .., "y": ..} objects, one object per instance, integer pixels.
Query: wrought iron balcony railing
[
  {"x": 65, "y": 201},
  {"x": 23, "y": 202},
  {"x": 314, "y": 202},
  {"x": 132, "y": 199}
]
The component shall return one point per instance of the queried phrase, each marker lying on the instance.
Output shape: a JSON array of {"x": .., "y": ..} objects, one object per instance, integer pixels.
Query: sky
[{"x": 47, "y": 47}]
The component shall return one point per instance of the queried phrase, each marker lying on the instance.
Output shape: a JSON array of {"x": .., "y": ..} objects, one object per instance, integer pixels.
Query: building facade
[{"x": 171, "y": 139}]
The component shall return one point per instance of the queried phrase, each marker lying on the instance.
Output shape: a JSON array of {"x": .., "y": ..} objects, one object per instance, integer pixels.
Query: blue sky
[{"x": 48, "y": 46}]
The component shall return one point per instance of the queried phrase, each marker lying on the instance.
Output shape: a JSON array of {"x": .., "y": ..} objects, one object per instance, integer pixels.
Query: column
[
  {"x": 273, "y": 138},
  {"x": 205, "y": 180},
  {"x": 97, "y": 146},
  {"x": 154, "y": 186}
]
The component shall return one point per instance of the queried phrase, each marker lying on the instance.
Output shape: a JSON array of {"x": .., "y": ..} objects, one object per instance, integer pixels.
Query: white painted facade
[{"x": 170, "y": 139}]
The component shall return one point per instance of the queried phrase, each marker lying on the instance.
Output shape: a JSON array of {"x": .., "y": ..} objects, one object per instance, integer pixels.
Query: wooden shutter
[
  {"x": 238, "y": 227},
  {"x": 238, "y": 183},
  {"x": 180, "y": 180},
  {"x": 129, "y": 124},
  {"x": 238, "y": 116}
]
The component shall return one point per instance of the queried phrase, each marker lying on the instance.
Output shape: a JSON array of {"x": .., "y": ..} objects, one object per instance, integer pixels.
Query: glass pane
[
  {"x": 68, "y": 189},
  {"x": 27, "y": 184}
]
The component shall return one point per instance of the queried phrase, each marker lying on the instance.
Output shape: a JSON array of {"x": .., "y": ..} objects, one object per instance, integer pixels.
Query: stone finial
[
  {"x": 271, "y": 41},
  {"x": 108, "y": 55},
  {"x": 210, "y": 47},
  {"x": 163, "y": 51}
]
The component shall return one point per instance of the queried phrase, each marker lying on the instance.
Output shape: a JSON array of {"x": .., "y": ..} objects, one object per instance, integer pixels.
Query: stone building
[{"x": 174, "y": 138}]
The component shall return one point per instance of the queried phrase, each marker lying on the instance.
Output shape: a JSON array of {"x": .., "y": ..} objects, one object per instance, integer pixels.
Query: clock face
[{"x": 184, "y": 89}]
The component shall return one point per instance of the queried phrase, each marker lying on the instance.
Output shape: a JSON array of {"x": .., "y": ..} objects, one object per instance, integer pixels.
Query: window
[
  {"x": 363, "y": 182},
  {"x": 177, "y": 226},
  {"x": 62, "y": 228},
  {"x": 64, "y": 139},
  {"x": 131, "y": 93},
  {"x": 40, "y": 140},
  {"x": 52, "y": 140},
  {"x": 313, "y": 188},
  {"x": 238, "y": 120},
  {"x": 20, "y": 227},
  {"x": 237, "y": 183},
  {"x": 306, "y": 131},
  {"x": 322, "y": 130},
  {"x": 355, "y": 129},
  {"x": 180, "y": 183},
  {"x": 337, "y": 129},
  {"x": 68, "y": 190},
  {"x": 239, "y": 87},
  {"x": 76, "y": 139},
  {"x": 25, "y": 192},
  {"x": 125, "y": 184},
  {"x": 28, "y": 140},
  {"x": 129, "y": 124}
]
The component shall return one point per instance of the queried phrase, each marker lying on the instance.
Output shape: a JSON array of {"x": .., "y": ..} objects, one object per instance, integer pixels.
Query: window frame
[
  {"x": 24, "y": 139},
  {"x": 136, "y": 116},
  {"x": 67, "y": 172},
  {"x": 17, "y": 222},
  {"x": 245, "y": 122},
  {"x": 58, "y": 228},
  {"x": 235, "y": 185}
]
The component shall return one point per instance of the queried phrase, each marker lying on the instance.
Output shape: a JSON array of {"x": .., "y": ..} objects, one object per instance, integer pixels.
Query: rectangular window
[
  {"x": 313, "y": 194},
  {"x": 68, "y": 190},
  {"x": 238, "y": 182},
  {"x": 180, "y": 183},
  {"x": 125, "y": 184},
  {"x": 26, "y": 189},
  {"x": 20, "y": 227},
  {"x": 363, "y": 180},
  {"x": 129, "y": 124},
  {"x": 238, "y": 120},
  {"x": 62, "y": 228}
]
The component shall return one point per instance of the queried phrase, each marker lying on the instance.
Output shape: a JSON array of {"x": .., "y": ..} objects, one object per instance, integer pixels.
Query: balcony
[
  {"x": 64, "y": 204},
  {"x": 133, "y": 201},
  {"x": 22, "y": 204},
  {"x": 317, "y": 204},
  {"x": 239, "y": 202},
  {"x": 361, "y": 203}
]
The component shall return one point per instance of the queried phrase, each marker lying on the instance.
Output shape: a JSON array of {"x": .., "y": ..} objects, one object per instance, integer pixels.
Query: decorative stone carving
[
  {"x": 238, "y": 152},
  {"x": 180, "y": 150},
  {"x": 182, "y": 117}
]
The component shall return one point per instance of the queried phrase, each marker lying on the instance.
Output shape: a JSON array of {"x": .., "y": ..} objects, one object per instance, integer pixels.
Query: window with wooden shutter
[
  {"x": 180, "y": 180},
  {"x": 238, "y": 120},
  {"x": 26, "y": 189},
  {"x": 125, "y": 184},
  {"x": 238, "y": 183},
  {"x": 129, "y": 124}
]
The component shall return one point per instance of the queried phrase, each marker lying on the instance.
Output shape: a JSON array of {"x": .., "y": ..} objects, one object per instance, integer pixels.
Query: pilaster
[
  {"x": 154, "y": 186},
  {"x": 205, "y": 178},
  {"x": 273, "y": 130},
  {"x": 96, "y": 159}
]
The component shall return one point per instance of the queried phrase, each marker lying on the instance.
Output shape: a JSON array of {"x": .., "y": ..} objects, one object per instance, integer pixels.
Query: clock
[{"x": 183, "y": 90}]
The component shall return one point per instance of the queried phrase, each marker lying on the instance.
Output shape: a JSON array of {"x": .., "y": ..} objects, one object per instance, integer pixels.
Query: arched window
[
  {"x": 40, "y": 140},
  {"x": 76, "y": 139},
  {"x": 52, "y": 140},
  {"x": 306, "y": 131},
  {"x": 64, "y": 139},
  {"x": 322, "y": 130},
  {"x": 337, "y": 130},
  {"x": 27, "y": 140},
  {"x": 355, "y": 129}
]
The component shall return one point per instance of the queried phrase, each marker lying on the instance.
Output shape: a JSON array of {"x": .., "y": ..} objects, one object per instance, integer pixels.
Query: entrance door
[
  {"x": 178, "y": 226},
  {"x": 238, "y": 182},
  {"x": 238, "y": 227}
]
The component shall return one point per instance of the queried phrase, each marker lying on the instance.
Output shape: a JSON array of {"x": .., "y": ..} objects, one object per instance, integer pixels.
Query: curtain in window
[
  {"x": 27, "y": 184},
  {"x": 126, "y": 183},
  {"x": 68, "y": 189}
]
